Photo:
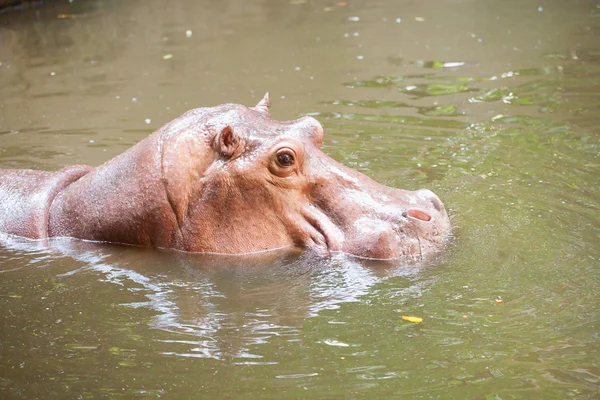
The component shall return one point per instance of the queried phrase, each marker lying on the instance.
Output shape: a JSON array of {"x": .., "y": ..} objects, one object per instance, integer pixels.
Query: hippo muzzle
[
  {"x": 413, "y": 227},
  {"x": 231, "y": 180},
  {"x": 376, "y": 221}
]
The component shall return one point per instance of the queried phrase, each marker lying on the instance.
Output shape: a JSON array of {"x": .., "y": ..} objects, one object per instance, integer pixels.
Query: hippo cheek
[{"x": 378, "y": 239}]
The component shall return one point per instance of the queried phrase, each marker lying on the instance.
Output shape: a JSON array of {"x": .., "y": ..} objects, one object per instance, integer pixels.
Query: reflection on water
[
  {"x": 493, "y": 105},
  {"x": 202, "y": 300}
]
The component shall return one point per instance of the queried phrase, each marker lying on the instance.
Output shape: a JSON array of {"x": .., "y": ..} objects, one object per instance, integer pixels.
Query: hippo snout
[{"x": 415, "y": 224}]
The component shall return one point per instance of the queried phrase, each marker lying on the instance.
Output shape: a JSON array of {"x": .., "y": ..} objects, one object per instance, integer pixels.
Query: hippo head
[{"x": 240, "y": 182}]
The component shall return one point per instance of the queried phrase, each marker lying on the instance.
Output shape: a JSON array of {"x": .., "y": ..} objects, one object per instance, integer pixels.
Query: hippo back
[{"x": 26, "y": 196}]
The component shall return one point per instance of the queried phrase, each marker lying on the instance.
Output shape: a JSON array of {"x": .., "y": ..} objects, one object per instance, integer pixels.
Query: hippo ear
[
  {"x": 264, "y": 105},
  {"x": 228, "y": 143}
]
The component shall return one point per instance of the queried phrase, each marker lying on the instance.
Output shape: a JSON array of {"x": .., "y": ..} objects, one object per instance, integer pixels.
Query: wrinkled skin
[{"x": 226, "y": 179}]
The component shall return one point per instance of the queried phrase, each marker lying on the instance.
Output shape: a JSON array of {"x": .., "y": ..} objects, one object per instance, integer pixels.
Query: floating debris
[{"x": 416, "y": 320}]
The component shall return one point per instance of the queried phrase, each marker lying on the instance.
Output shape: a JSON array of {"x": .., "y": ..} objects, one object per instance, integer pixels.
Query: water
[{"x": 493, "y": 105}]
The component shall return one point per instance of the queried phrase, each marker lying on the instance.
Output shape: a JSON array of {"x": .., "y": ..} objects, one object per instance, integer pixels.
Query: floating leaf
[
  {"x": 412, "y": 319},
  {"x": 378, "y": 81},
  {"x": 435, "y": 89}
]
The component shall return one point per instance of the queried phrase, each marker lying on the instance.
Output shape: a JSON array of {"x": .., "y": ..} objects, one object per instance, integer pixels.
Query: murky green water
[{"x": 493, "y": 105}]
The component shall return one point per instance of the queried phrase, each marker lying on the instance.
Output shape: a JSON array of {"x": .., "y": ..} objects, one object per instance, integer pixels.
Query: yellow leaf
[{"x": 412, "y": 319}]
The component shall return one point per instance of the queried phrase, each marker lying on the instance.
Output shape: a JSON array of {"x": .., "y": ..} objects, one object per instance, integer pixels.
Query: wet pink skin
[{"x": 226, "y": 179}]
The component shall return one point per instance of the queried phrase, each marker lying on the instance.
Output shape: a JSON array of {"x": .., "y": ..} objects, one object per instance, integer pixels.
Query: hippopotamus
[{"x": 229, "y": 180}]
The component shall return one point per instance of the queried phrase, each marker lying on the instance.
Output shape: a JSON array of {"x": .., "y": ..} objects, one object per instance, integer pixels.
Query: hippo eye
[{"x": 285, "y": 158}]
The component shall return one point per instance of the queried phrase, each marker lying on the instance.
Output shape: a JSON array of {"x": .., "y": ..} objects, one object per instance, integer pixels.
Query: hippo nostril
[
  {"x": 437, "y": 203},
  {"x": 418, "y": 214},
  {"x": 432, "y": 197}
]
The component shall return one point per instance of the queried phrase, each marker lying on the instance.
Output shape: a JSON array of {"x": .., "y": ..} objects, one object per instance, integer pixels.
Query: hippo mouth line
[{"x": 323, "y": 233}]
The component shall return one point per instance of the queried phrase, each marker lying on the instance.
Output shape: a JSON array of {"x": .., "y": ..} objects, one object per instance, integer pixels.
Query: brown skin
[{"x": 226, "y": 179}]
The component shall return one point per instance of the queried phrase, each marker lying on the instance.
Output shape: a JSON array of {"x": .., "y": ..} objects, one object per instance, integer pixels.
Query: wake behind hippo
[{"x": 226, "y": 179}]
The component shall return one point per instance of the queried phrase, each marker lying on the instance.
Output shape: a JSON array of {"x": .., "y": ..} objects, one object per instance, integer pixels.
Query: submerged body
[{"x": 226, "y": 179}]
